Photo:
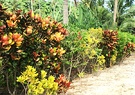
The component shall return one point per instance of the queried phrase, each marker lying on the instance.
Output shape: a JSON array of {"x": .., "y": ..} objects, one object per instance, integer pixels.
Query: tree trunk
[
  {"x": 32, "y": 5},
  {"x": 115, "y": 11},
  {"x": 65, "y": 12}
]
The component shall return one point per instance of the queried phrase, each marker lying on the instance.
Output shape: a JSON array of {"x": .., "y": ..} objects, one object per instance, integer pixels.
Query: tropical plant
[
  {"x": 110, "y": 41},
  {"x": 65, "y": 11},
  {"x": 81, "y": 51},
  {"x": 129, "y": 20},
  {"x": 125, "y": 44},
  {"x": 28, "y": 39},
  {"x": 41, "y": 7},
  {"x": 35, "y": 84},
  {"x": 122, "y": 8},
  {"x": 82, "y": 17}
]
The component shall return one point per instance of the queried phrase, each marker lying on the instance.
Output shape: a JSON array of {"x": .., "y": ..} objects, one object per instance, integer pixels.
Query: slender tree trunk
[
  {"x": 75, "y": 3},
  {"x": 115, "y": 11},
  {"x": 32, "y": 5},
  {"x": 65, "y": 12}
]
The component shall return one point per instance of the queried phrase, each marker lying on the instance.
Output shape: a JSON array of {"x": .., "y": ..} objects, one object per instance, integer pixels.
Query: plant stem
[
  {"x": 71, "y": 65},
  {"x": 8, "y": 84}
]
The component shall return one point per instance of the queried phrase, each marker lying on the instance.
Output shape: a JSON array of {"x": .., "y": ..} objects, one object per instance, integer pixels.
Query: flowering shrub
[{"x": 37, "y": 86}]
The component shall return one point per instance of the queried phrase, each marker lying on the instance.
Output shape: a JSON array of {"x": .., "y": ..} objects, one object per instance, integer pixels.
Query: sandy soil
[{"x": 117, "y": 80}]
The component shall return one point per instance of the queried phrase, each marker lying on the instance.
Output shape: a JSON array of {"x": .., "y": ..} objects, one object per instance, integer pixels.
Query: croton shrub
[
  {"x": 83, "y": 54},
  {"x": 126, "y": 44},
  {"x": 94, "y": 49},
  {"x": 116, "y": 46},
  {"x": 28, "y": 39},
  {"x": 108, "y": 45},
  {"x": 31, "y": 52}
]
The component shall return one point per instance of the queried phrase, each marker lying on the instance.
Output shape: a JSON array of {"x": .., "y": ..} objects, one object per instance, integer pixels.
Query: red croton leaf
[{"x": 63, "y": 83}]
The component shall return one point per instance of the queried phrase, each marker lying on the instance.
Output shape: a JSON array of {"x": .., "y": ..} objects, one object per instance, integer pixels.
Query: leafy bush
[
  {"x": 82, "y": 50},
  {"x": 37, "y": 86},
  {"x": 42, "y": 7},
  {"x": 62, "y": 83},
  {"x": 29, "y": 40},
  {"x": 109, "y": 46},
  {"x": 125, "y": 44}
]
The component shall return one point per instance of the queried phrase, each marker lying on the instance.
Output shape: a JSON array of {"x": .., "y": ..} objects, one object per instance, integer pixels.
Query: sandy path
[{"x": 117, "y": 80}]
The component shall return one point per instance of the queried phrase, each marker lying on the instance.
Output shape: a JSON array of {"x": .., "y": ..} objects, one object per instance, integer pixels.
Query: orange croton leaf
[
  {"x": 43, "y": 41},
  {"x": 5, "y": 43},
  {"x": 17, "y": 38},
  {"x": 13, "y": 17},
  {"x": 10, "y": 23},
  {"x": 4, "y": 40},
  {"x": 45, "y": 23},
  {"x": 49, "y": 31},
  {"x": 47, "y": 20},
  {"x": 37, "y": 18},
  {"x": 59, "y": 25},
  {"x": 57, "y": 37},
  {"x": 31, "y": 14},
  {"x": 29, "y": 30},
  {"x": 51, "y": 50},
  {"x": 18, "y": 44},
  {"x": 61, "y": 51}
]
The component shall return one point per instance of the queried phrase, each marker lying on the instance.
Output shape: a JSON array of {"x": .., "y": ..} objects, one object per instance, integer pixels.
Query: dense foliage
[
  {"x": 29, "y": 40},
  {"x": 38, "y": 54}
]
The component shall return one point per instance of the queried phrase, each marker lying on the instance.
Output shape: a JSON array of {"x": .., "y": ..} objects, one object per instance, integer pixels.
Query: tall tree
[
  {"x": 115, "y": 11},
  {"x": 122, "y": 7},
  {"x": 65, "y": 12}
]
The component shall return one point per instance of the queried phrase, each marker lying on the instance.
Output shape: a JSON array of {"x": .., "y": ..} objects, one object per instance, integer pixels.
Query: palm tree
[
  {"x": 100, "y": 2},
  {"x": 115, "y": 11},
  {"x": 65, "y": 12},
  {"x": 122, "y": 7},
  {"x": 128, "y": 24}
]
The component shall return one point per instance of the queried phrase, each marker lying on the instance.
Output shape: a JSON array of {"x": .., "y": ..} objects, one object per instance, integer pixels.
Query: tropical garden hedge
[{"x": 39, "y": 55}]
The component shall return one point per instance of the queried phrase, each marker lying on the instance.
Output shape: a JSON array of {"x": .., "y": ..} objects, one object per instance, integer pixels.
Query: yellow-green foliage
[
  {"x": 114, "y": 57},
  {"x": 92, "y": 39},
  {"x": 100, "y": 62},
  {"x": 35, "y": 85}
]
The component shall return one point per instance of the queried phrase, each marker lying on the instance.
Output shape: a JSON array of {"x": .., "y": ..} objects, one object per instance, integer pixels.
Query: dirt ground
[{"x": 117, "y": 80}]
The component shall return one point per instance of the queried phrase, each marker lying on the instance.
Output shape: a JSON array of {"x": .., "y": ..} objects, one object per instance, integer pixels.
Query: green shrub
[
  {"x": 125, "y": 44},
  {"x": 82, "y": 51}
]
